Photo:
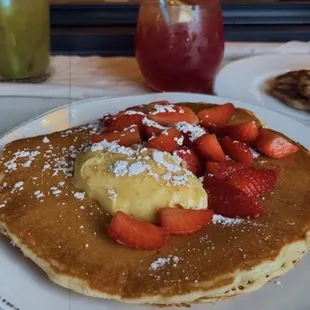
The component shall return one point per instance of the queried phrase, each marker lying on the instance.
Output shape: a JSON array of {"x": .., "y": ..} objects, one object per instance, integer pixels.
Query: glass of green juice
[{"x": 24, "y": 40}]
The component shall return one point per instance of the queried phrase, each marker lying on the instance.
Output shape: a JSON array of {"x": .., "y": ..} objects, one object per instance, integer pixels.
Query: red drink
[{"x": 183, "y": 54}]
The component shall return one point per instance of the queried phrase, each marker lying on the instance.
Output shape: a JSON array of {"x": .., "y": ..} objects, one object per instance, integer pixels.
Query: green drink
[{"x": 24, "y": 39}]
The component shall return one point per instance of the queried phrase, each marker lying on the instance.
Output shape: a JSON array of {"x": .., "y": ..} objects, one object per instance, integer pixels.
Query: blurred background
[{"x": 107, "y": 27}]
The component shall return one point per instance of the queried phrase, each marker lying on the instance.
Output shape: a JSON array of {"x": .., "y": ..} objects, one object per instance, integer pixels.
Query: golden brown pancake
[
  {"x": 64, "y": 232},
  {"x": 292, "y": 88}
]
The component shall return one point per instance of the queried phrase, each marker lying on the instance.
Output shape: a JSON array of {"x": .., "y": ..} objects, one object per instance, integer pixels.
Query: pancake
[
  {"x": 292, "y": 88},
  {"x": 64, "y": 232}
]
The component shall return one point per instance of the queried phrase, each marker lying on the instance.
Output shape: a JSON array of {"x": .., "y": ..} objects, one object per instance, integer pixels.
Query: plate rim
[
  {"x": 297, "y": 114},
  {"x": 102, "y": 98}
]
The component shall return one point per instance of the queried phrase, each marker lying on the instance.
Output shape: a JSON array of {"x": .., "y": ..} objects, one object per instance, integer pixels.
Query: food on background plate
[
  {"x": 159, "y": 204},
  {"x": 292, "y": 88}
]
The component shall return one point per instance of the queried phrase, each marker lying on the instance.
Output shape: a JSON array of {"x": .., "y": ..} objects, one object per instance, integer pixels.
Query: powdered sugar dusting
[
  {"x": 23, "y": 158},
  {"x": 133, "y": 112},
  {"x": 194, "y": 131},
  {"x": 219, "y": 219},
  {"x": 161, "y": 262},
  {"x": 112, "y": 194},
  {"x": 150, "y": 123},
  {"x": 79, "y": 195}
]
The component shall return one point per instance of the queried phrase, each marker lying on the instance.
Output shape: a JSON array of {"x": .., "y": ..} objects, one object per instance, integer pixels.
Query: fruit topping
[
  {"x": 209, "y": 147},
  {"x": 273, "y": 144},
  {"x": 183, "y": 221},
  {"x": 190, "y": 159},
  {"x": 169, "y": 140},
  {"x": 224, "y": 169},
  {"x": 126, "y": 137},
  {"x": 151, "y": 128},
  {"x": 191, "y": 132},
  {"x": 253, "y": 181},
  {"x": 227, "y": 200},
  {"x": 134, "y": 233},
  {"x": 244, "y": 132},
  {"x": 126, "y": 119},
  {"x": 170, "y": 114},
  {"x": 216, "y": 116},
  {"x": 236, "y": 150}
]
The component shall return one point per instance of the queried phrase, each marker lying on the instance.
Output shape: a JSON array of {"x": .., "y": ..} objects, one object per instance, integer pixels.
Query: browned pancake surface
[
  {"x": 292, "y": 88},
  {"x": 68, "y": 230}
]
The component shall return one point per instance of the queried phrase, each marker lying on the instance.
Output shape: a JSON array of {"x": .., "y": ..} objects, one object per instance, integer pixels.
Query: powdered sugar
[
  {"x": 112, "y": 148},
  {"x": 150, "y": 123},
  {"x": 164, "y": 109},
  {"x": 219, "y": 219},
  {"x": 194, "y": 131},
  {"x": 38, "y": 194},
  {"x": 112, "y": 194},
  {"x": 18, "y": 186},
  {"x": 179, "y": 140},
  {"x": 45, "y": 140},
  {"x": 13, "y": 163},
  {"x": 133, "y": 112},
  {"x": 161, "y": 262},
  {"x": 79, "y": 195}
]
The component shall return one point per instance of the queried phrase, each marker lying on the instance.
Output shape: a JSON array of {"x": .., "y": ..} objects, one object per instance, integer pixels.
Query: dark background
[{"x": 108, "y": 29}]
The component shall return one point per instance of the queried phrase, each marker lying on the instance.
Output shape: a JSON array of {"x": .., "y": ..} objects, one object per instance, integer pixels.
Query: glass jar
[
  {"x": 24, "y": 39},
  {"x": 180, "y": 47}
]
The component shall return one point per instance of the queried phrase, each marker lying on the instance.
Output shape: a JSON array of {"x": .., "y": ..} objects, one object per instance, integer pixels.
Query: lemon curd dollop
[{"x": 137, "y": 181}]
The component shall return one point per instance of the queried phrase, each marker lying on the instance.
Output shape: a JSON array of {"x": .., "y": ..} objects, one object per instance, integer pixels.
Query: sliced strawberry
[
  {"x": 151, "y": 128},
  {"x": 168, "y": 140},
  {"x": 244, "y": 132},
  {"x": 209, "y": 147},
  {"x": 216, "y": 116},
  {"x": 150, "y": 107},
  {"x": 127, "y": 137},
  {"x": 126, "y": 119},
  {"x": 183, "y": 222},
  {"x": 171, "y": 114},
  {"x": 134, "y": 233},
  {"x": 227, "y": 200},
  {"x": 224, "y": 169},
  {"x": 190, "y": 159},
  {"x": 236, "y": 150},
  {"x": 274, "y": 145},
  {"x": 253, "y": 181}
]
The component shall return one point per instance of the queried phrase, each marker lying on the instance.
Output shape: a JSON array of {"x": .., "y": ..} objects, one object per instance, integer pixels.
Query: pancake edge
[{"x": 244, "y": 281}]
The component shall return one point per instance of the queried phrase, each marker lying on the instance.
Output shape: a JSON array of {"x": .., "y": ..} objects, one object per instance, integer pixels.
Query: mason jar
[{"x": 24, "y": 40}]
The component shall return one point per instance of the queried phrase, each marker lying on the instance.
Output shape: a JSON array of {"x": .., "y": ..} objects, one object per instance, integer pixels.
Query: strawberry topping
[
  {"x": 209, "y": 147},
  {"x": 126, "y": 137},
  {"x": 170, "y": 114},
  {"x": 134, "y": 233},
  {"x": 216, "y": 116},
  {"x": 244, "y": 132},
  {"x": 274, "y": 145},
  {"x": 227, "y": 200},
  {"x": 236, "y": 150},
  {"x": 126, "y": 119},
  {"x": 183, "y": 222},
  {"x": 224, "y": 169},
  {"x": 190, "y": 159},
  {"x": 168, "y": 140},
  {"x": 253, "y": 181}
]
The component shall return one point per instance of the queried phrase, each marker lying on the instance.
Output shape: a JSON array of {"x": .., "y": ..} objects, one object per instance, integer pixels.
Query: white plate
[
  {"x": 27, "y": 288},
  {"x": 245, "y": 80}
]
